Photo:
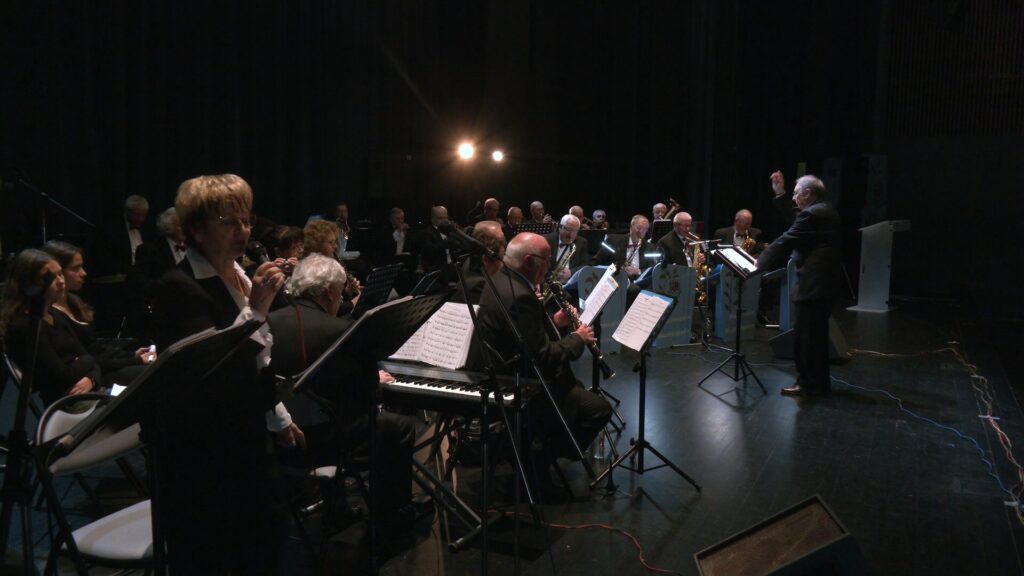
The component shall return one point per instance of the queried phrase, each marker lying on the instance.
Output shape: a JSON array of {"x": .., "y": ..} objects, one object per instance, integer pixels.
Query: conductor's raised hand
[{"x": 267, "y": 280}]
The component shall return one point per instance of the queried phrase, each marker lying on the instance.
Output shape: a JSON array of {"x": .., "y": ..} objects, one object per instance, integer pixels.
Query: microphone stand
[
  {"x": 17, "y": 488},
  {"x": 47, "y": 198}
]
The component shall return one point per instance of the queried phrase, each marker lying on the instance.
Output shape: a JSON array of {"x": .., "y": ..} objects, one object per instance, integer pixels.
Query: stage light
[
  {"x": 466, "y": 151},
  {"x": 497, "y": 155}
]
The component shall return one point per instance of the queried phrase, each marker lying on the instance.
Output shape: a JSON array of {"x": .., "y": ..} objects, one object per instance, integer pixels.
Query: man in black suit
[
  {"x": 814, "y": 239},
  {"x": 560, "y": 241},
  {"x": 432, "y": 244},
  {"x": 740, "y": 231},
  {"x": 152, "y": 260},
  {"x": 675, "y": 246},
  {"x": 527, "y": 260},
  {"x": 301, "y": 334},
  {"x": 783, "y": 211},
  {"x": 477, "y": 267},
  {"x": 627, "y": 250}
]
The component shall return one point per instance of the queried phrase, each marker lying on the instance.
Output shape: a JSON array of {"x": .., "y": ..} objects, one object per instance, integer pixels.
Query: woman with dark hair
[
  {"x": 62, "y": 366},
  {"x": 118, "y": 365}
]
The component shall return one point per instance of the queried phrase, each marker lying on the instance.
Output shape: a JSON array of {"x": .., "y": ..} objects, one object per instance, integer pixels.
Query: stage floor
[{"x": 917, "y": 497}]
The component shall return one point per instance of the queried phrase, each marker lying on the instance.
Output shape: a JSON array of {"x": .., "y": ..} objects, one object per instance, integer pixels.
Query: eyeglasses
[{"x": 235, "y": 222}]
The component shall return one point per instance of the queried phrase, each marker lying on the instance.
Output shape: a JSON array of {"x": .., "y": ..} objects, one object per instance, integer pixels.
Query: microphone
[
  {"x": 257, "y": 252},
  {"x": 474, "y": 245}
]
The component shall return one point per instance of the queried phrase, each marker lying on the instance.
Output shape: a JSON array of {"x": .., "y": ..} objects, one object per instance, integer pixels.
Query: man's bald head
[
  {"x": 491, "y": 208},
  {"x": 438, "y": 214},
  {"x": 514, "y": 216},
  {"x": 577, "y": 211},
  {"x": 744, "y": 218},
  {"x": 529, "y": 254},
  {"x": 659, "y": 211},
  {"x": 681, "y": 223},
  {"x": 489, "y": 233}
]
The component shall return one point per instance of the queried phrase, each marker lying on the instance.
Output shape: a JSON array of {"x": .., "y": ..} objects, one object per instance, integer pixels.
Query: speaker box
[{"x": 802, "y": 540}]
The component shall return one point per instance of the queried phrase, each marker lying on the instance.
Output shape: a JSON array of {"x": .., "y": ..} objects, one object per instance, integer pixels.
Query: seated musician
[
  {"x": 537, "y": 214},
  {"x": 577, "y": 211},
  {"x": 433, "y": 244},
  {"x": 600, "y": 220},
  {"x": 741, "y": 234},
  {"x": 675, "y": 246},
  {"x": 627, "y": 250},
  {"x": 512, "y": 219},
  {"x": 476, "y": 267},
  {"x": 527, "y": 260},
  {"x": 302, "y": 333},
  {"x": 322, "y": 237},
  {"x": 567, "y": 243},
  {"x": 659, "y": 211}
]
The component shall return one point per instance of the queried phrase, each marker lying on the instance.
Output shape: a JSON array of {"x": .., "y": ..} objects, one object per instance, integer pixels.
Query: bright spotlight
[
  {"x": 497, "y": 155},
  {"x": 466, "y": 151}
]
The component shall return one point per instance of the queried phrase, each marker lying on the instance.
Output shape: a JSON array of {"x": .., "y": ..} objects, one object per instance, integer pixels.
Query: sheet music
[
  {"x": 599, "y": 296},
  {"x": 737, "y": 259},
  {"x": 641, "y": 319},
  {"x": 443, "y": 340}
]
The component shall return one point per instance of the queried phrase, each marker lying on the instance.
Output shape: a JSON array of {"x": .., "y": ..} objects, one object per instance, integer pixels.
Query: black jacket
[
  {"x": 673, "y": 251},
  {"x": 620, "y": 243},
  {"x": 551, "y": 353},
  {"x": 814, "y": 240},
  {"x": 580, "y": 258},
  {"x": 61, "y": 359}
]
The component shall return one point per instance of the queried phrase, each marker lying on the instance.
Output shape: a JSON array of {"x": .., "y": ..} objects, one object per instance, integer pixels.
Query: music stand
[
  {"x": 640, "y": 443},
  {"x": 376, "y": 335},
  {"x": 594, "y": 239},
  {"x": 744, "y": 266},
  {"x": 190, "y": 359},
  {"x": 541, "y": 228},
  {"x": 659, "y": 228},
  {"x": 379, "y": 283}
]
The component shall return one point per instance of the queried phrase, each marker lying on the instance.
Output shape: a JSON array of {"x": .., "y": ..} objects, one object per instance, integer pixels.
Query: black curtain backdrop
[{"x": 606, "y": 104}]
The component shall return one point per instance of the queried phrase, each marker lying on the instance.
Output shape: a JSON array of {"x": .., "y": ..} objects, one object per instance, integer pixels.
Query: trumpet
[{"x": 557, "y": 291}]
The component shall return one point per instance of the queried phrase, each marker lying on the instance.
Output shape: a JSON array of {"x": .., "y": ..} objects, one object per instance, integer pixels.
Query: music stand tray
[{"x": 541, "y": 228}]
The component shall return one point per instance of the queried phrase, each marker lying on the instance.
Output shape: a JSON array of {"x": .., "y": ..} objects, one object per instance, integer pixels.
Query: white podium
[{"x": 876, "y": 265}]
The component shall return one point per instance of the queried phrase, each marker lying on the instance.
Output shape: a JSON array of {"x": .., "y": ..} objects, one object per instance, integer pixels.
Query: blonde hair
[
  {"x": 205, "y": 197},
  {"x": 316, "y": 233}
]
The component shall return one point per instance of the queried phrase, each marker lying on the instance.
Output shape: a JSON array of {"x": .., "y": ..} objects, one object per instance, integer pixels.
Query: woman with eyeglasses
[
  {"x": 62, "y": 365},
  {"x": 219, "y": 505}
]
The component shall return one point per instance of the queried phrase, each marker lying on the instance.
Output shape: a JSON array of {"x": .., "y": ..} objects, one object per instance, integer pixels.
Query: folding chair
[{"x": 123, "y": 539}]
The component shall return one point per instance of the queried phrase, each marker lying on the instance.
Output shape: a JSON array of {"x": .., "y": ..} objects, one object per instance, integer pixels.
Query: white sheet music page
[
  {"x": 599, "y": 296},
  {"x": 443, "y": 340},
  {"x": 738, "y": 259},
  {"x": 641, "y": 319}
]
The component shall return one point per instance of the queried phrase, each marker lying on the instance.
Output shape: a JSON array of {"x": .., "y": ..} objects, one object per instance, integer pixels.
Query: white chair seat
[
  {"x": 325, "y": 472},
  {"x": 124, "y": 536}
]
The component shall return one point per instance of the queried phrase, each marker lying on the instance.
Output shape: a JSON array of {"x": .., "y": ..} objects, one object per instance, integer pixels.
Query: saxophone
[
  {"x": 557, "y": 291},
  {"x": 701, "y": 268}
]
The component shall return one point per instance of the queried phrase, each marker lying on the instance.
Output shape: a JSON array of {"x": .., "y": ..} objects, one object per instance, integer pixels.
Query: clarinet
[{"x": 557, "y": 292}]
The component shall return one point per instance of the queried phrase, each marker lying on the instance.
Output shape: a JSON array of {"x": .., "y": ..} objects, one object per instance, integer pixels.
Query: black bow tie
[{"x": 179, "y": 247}]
